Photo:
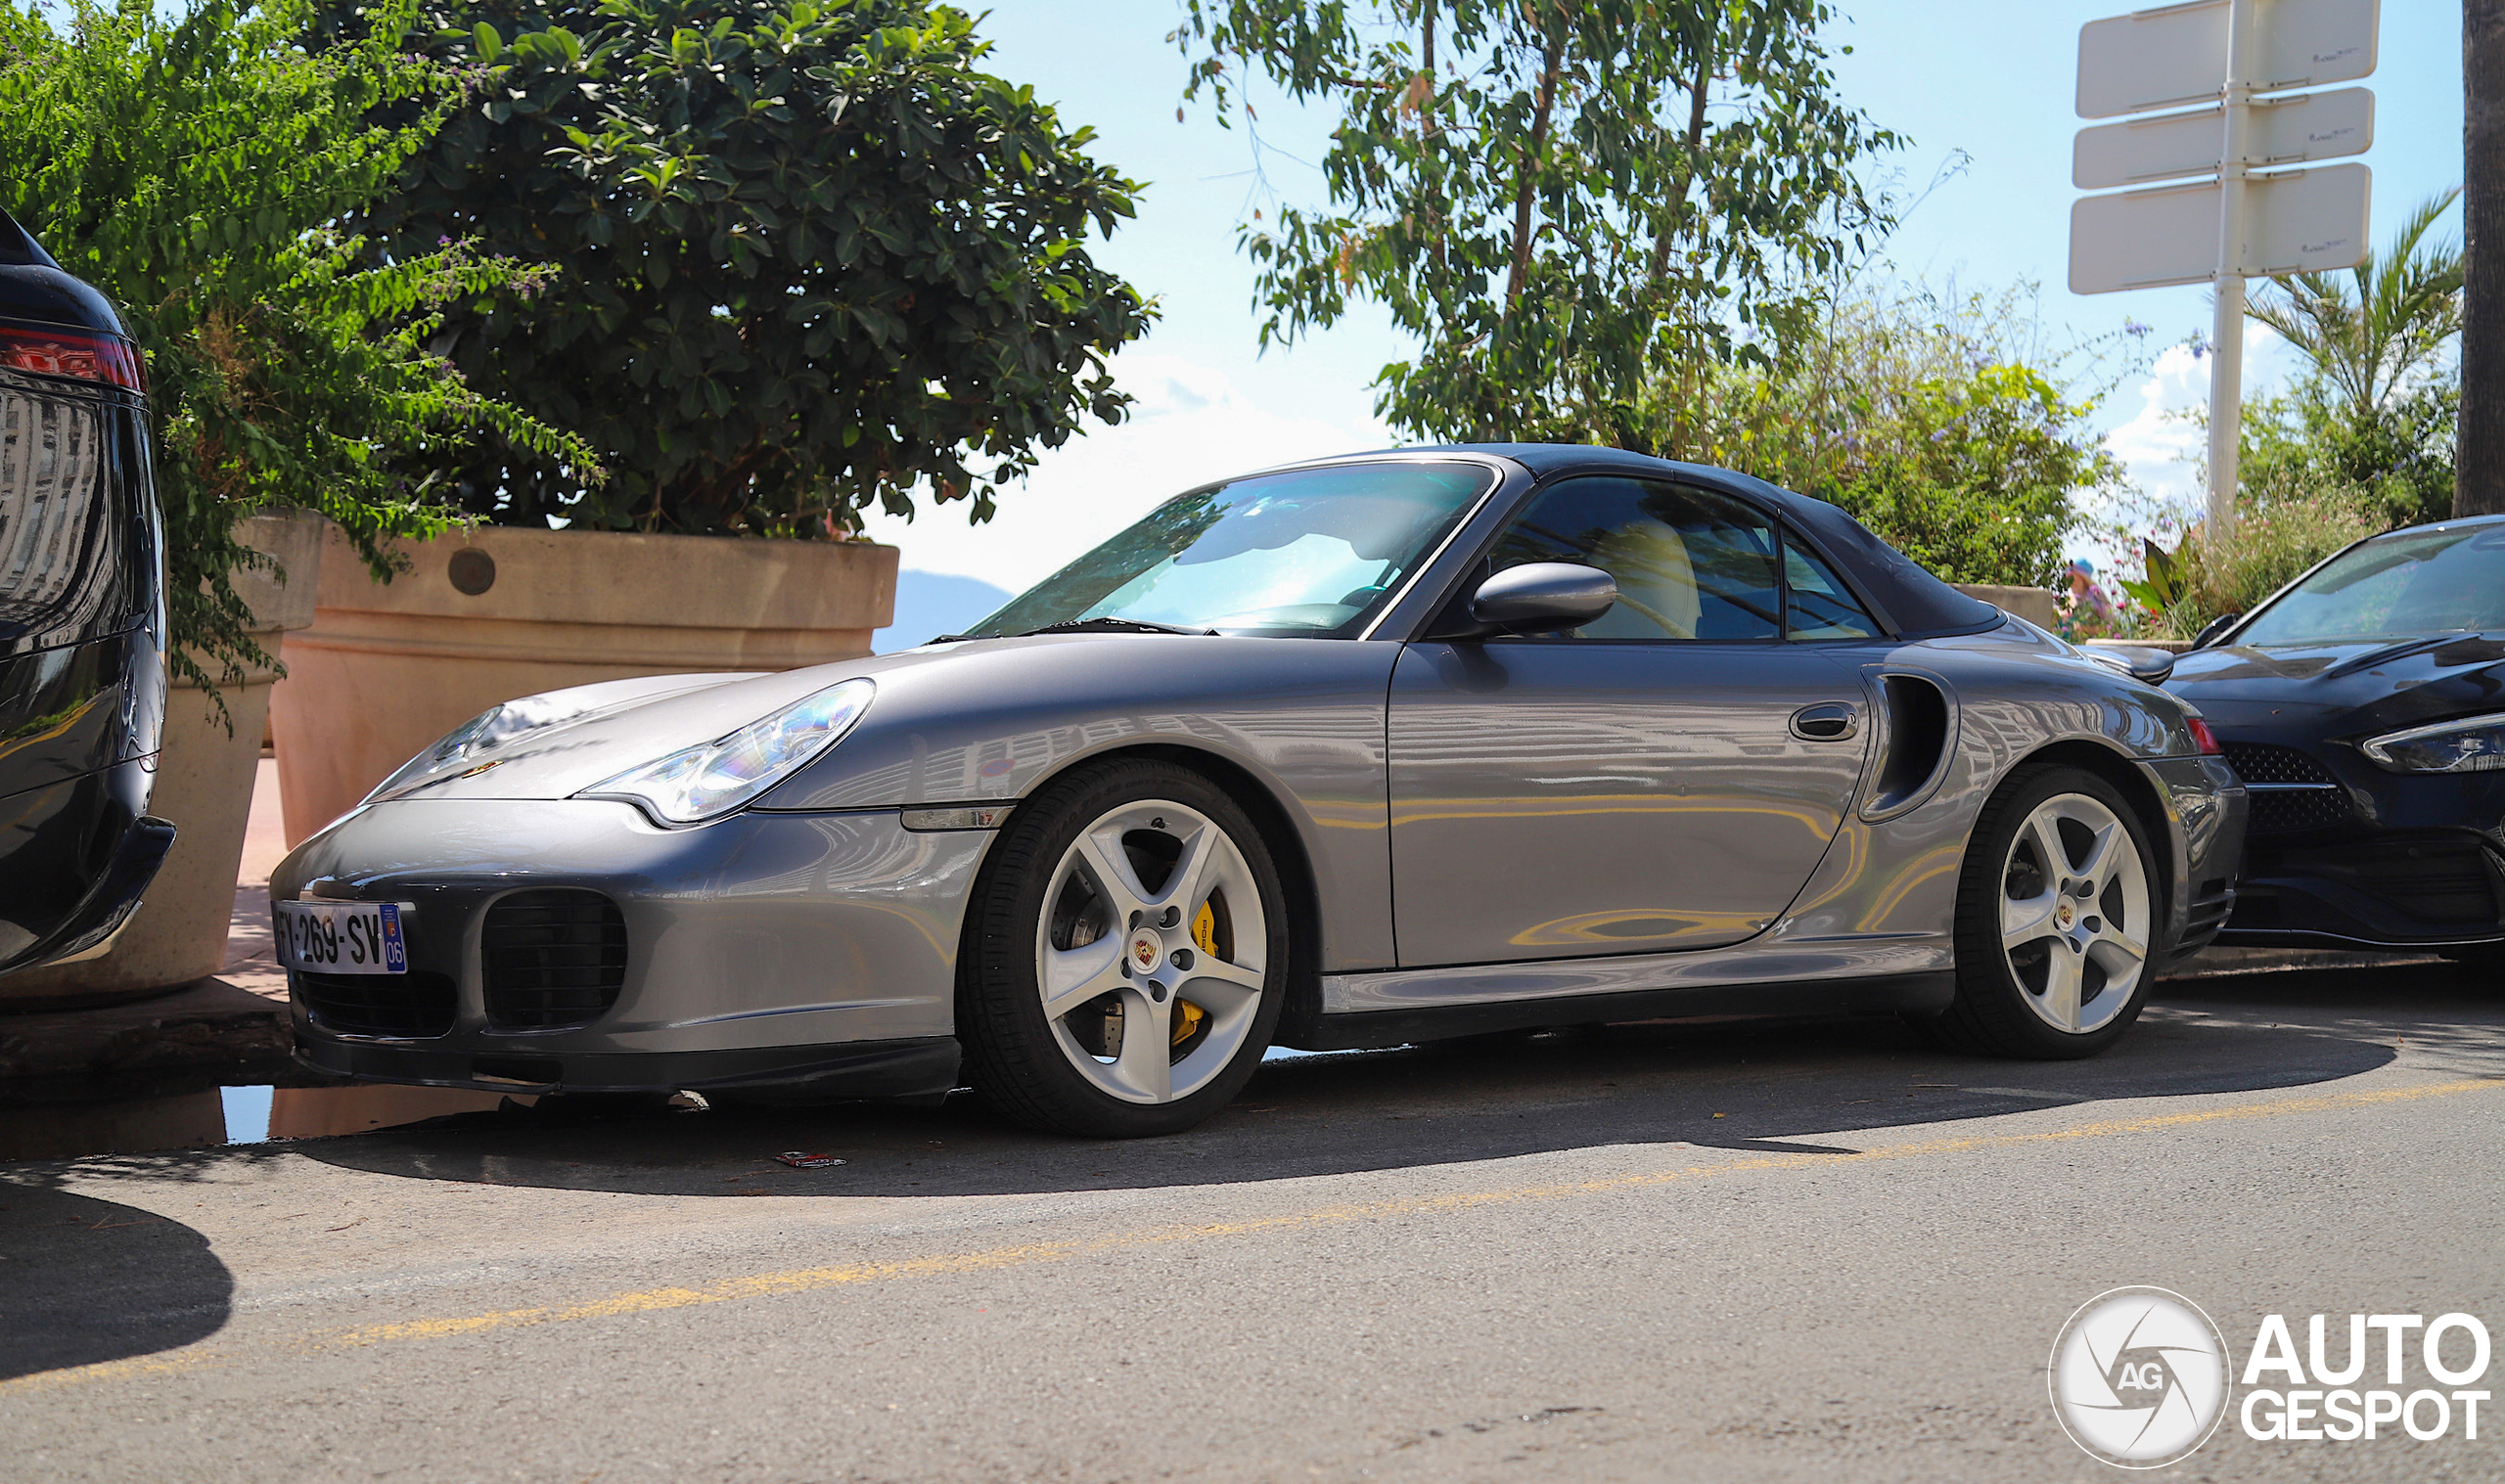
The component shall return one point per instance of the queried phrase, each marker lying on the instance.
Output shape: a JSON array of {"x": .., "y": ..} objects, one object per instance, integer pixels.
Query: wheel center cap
[
  {"x": 2063, "y": 916},
  {"x": 1146, "y": 948}
]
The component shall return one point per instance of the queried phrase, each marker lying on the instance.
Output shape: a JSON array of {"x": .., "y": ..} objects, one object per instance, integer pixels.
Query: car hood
[
  {"x": 616, "y": 725},
  {"x": 2367, "y": 685},
  {"x": 632, "y": 722}
]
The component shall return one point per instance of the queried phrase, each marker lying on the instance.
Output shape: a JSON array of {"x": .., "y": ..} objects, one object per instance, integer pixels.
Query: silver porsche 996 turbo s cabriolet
[{"x": 1350, "y": 753}]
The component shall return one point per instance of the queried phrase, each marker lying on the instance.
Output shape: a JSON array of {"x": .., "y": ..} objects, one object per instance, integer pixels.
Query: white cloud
[
  {"x": 1191, "y": 425},
  {"x": 2161, "y": 448},
  {"x": 2162, "y": 452}
]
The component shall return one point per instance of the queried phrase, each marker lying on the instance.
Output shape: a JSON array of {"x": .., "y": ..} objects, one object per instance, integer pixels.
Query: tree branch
[
  {"x": 1527, "y": 162},
  {"x": 1686, "y": 177}
]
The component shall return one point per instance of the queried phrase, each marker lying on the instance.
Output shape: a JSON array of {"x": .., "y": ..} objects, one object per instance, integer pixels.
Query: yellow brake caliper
[{"x": 1187, "y": 1015}]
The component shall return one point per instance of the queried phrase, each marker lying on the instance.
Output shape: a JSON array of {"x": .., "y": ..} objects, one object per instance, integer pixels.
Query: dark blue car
[
  {"x": 82, "y": 617},
  {"x": 2364, "y": 707}
]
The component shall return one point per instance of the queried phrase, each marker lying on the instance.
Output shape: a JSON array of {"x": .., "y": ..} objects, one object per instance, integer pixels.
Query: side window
[
  {"x": 1822, "y": 608},
  {"x": 1689, "y": 564}
]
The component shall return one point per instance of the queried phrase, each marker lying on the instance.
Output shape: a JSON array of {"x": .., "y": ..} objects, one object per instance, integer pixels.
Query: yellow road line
[{"x": 811, "y": 1280}]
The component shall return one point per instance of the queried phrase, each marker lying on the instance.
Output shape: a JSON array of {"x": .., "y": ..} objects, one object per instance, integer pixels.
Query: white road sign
[
  {"x": 2177, "y": 54},
  {"x": 2299, "y": 221},
  {"x": 2280, "y": 131}
]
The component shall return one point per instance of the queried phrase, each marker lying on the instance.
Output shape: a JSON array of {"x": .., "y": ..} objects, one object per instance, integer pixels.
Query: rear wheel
[
  {"x": 2057, "y": 920},
  {"x": 1129, "y": 947}
]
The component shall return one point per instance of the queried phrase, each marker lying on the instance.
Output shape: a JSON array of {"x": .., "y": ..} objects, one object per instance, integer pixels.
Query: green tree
[
  {"x": 804, "y": 256},
  {"x": 2389, "y": 320},
  {"x": 2377, "y": 409},
  {"x": 1569, "y": 205},
  {"x": 193, "y": 167}
]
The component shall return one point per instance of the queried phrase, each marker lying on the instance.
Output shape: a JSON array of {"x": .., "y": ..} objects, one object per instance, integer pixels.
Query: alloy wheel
[
  {"x": 2075, "y": 914},
  {"x": 1150, "y": 952}
]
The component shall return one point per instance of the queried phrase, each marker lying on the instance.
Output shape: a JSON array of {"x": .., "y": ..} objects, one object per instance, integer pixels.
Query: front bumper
[
  {"x": 2206, "y": 808},
  {"x": 916, "y": 1068},
  {"x": 791, "y": 950},
  {"x": 2345, "y": 855},
  {"x": 78, "y": 855}
]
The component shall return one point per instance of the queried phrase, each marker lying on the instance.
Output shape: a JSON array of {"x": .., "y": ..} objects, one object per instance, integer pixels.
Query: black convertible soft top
[{"x": 1910, "y": 602}]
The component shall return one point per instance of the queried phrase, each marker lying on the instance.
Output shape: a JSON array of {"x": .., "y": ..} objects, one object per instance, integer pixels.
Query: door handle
[{"x": 1829, "y": 721}]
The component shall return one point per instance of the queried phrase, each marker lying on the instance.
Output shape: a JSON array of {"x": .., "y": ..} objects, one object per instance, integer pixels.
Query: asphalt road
[{"x": 1715, "y": 1252}]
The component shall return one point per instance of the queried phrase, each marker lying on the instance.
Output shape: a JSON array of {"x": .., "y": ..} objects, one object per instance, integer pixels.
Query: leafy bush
[
  {"x": 2395, "y": 458},
  {"x": 1937, "y": 421},
  {"x": 191, "y": 167},
  {"x": 803, "y": 256},
  {"x": 2273, "y": 545}
]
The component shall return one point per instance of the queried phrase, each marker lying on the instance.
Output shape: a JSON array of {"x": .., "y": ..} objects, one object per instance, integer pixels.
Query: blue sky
[{"x": 1991, "y": 79}]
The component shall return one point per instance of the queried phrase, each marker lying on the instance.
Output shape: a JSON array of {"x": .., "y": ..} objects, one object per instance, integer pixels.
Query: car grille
[
  {"x": 411, "y": 1004},
  {"x": 2288, "y": 790},
  {"x": 2268, "y": 763},
  {"x": 552, "y": 958},
  {"x": 2435, "y": 883},
  {"x": 2443, "y": 884}
]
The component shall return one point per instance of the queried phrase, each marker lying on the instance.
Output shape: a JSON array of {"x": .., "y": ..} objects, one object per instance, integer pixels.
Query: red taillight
[
  {"x": 2202, "y": 737},
  {"x": 80, "y": 354}
]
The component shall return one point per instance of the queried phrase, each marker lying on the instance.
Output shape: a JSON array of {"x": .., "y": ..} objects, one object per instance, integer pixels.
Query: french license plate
[{"x": 343, "y": 937}]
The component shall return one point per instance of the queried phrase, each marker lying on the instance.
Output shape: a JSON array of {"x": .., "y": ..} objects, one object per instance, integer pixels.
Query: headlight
[
  {"x": 489, "y": 729},
  {"x": 2473, "y": 745},
  {"x": 715, "y": 778}
]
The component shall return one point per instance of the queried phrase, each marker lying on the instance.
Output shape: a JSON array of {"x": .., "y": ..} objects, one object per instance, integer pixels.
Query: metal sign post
[
  {"x": 2226, "y": 332},
  {"x": 2240, "y": 224}
]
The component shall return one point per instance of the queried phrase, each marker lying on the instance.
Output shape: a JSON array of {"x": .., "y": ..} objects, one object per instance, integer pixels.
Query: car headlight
[
  {"x": 489, "y": 730},
  {"x": 712, "y": 778},
  {"x": 2473, "y": 745}
]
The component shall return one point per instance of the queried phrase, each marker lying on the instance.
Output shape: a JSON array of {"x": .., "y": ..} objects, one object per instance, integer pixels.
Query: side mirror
[
  {"x": 2139, "y": 661},
  {"x": 2214, "y": 630},
  {"x": 1540, "y": 597}
]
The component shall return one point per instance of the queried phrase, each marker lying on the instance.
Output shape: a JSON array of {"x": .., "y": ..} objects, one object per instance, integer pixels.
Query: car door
[{"x": 1664, "y": 777}]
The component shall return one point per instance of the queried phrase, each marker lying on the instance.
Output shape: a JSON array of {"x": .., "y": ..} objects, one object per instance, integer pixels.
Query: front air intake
[
  {"x": 411, "y": 1006},
  {"x": 551, "y": 960}
]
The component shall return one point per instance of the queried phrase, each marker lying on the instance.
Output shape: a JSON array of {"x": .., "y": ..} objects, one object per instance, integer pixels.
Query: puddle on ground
[
  {"x": 248, "y": 1114},
  {"x": 258, "y": 1115}
]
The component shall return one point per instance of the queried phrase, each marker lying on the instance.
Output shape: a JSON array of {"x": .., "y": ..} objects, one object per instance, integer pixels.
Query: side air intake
[{"x": 1917, "y": 742}]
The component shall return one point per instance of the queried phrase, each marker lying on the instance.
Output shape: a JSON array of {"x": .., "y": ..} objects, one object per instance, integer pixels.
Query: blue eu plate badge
[{"x": 395, "y": 948}]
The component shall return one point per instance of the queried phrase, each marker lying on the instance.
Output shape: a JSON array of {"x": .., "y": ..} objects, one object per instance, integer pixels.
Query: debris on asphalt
[{"x": 803, "y": 1159}]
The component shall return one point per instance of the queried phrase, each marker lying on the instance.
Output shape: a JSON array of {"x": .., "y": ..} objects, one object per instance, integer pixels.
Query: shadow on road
[
  {"x": 83, "y": 1281},
  {"x": 1778, "y": 1087}
]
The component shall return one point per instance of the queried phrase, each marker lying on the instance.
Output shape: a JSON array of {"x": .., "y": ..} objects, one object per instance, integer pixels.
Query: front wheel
[
  {"x": 1127, "y": 952},
  {"x": 2057, "y": 920}
]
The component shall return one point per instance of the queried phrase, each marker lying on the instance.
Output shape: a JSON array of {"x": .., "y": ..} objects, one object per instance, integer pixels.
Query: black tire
[
  {"x": 1013, "y": 1059},
  {"x": 1991, "y": 1014}
]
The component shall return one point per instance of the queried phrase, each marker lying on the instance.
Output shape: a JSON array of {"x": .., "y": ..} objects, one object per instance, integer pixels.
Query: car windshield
[
  {"x": 1312, "y": 552},
  {"x": 2410, "y": 583}
]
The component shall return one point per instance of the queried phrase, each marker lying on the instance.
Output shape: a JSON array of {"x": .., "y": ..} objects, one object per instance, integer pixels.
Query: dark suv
[{"x": 82, "y": 617}]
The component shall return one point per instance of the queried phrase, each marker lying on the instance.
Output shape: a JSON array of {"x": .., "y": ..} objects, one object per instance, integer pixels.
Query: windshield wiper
[{"x": 1109, "y": 626}]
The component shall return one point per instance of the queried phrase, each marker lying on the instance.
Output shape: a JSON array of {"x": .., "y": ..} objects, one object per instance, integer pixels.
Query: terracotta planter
[
  {"x": 205, "y": 786},
  {"x": 496, "y": 613}
]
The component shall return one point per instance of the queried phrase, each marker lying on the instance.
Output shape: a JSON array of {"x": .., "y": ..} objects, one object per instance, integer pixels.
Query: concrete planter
[
  {"x": 492, "y": 613},
  {"x": 2036, "y": 605},
  {"x": 205, "y": 786}
]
